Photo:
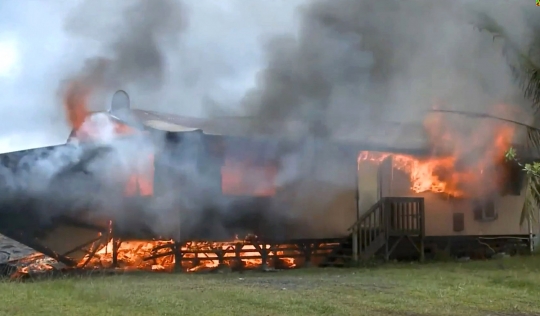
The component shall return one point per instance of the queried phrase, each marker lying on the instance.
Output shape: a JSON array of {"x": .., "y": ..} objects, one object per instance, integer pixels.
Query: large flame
[{"x": 463, "y": 161}]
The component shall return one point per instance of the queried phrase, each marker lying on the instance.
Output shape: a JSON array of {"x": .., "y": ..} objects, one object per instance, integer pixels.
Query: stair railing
[
  {"x": 390, "y": 216},
  {"x": 367, "y": 229}
]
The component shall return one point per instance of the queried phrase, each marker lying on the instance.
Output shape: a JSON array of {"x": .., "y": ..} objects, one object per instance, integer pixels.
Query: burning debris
[
  {"x": 193, "y": 256},
  {"x": 36, "y": 264},
  {"x": 197, "y": 255}
]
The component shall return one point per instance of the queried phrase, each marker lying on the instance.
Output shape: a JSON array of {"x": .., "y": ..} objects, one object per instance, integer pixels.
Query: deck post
[
  {"x": 422, "y": 255},
  {"x": 385, "y": 211},
  {"x": 422, "y": 230},
  {"x": 386, "y": 250},
  {"x": 178, "y": 255},
  {"x": 115, "y": 243},
  {"x": 355, "y": 244},
  {"x": 177, "y": 246}
]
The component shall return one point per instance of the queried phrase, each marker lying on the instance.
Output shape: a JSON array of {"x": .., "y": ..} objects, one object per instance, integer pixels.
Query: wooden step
[{"x": 373, "y": 247}]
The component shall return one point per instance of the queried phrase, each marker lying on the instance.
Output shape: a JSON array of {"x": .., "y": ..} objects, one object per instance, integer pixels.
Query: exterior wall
[
  {"x": 322, "y": 197},
  {"x": 439, "y": 210},
  {"x": 368, "y": 191},
  {"x": 334, "y": 169}
]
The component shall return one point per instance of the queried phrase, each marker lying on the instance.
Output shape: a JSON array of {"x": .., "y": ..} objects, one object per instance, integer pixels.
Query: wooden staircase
[{"x": 385, "y": 224}]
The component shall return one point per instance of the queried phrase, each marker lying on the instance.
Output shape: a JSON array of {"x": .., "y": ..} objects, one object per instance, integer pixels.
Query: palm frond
[
  {"x": 533, "y": 137},
  {"x": 533, "y": 133},
  {"x": 523, "y": 67},
  {"x": 527, "y": 74}
]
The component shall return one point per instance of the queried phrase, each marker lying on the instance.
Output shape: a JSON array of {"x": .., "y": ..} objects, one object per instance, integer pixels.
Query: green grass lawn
[{"x": 498, "y": 287}]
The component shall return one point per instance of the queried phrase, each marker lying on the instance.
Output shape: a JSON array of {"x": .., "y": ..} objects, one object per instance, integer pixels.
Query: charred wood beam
[
  {"x": 178, "y": 256},
  {"x": 314, "y": 247},
  {"x": 7, "y": 269},
  {"x": 295, "y": 256},
  {"x": 268, "y": 241},
  {"x": 237, "y": 251},
  {"x": 80, "y": 247},
  {"x": 170, "y": 245},
  {"x": 90, "y": 256},
  {"x": 307, "y": 250},
  {"x": 76, "y": 223},
  {"x": 159, "y": 255},
  {"x": 115, "y": 245}
]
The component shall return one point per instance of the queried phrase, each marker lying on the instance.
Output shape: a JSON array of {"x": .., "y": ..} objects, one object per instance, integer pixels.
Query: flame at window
[
  {"x": 247, "y": 178},
  {"x": 466, "y": 160},
  {"x": 141, "y": 183}
]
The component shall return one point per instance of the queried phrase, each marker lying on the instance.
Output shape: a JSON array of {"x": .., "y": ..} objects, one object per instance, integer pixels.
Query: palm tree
[{"x": 524, "y": 63}]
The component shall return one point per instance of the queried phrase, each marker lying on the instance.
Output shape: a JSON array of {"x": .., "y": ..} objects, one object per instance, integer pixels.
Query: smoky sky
[
  {"x": 337, "y": 63},
  {"x": 210, "y": 51},
  {"x": 356, "y": 63}
]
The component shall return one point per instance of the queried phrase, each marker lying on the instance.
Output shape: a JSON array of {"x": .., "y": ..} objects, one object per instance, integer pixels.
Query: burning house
[
  {"x": 470, "y": 193},
  {"x": 206, "y": 195}
]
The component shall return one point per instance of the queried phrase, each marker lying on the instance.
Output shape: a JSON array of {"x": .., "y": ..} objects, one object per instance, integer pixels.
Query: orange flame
[
  {"x": 203, "y": 255},
  {"x": 245, "y": 178},
  {"x": 463, "y": 162},
  {"x": 75, "y": 103},
  {"x": 142, "y": 183}
]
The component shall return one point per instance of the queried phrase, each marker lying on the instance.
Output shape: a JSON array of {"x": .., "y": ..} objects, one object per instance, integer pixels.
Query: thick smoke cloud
[
  {"x": 133, "y": 42},
  {"x": 358, "y": 62},
  {"x": 348, "y": 66},
  {"x": 82, "y": 176},
  {"x": 133, "y": 56}
]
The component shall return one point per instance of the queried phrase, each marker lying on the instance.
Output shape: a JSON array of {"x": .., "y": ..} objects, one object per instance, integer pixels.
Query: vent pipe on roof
[
  {"x": 120, "y": 102},
  {"x": 121, "y": 109}
]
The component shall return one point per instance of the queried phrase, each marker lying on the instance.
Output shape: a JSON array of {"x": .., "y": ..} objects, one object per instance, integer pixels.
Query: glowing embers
[
  {"x": 197, "y": 256},
  {"x": 34, "y": 264},
  {"x": 129, "y": 255}
]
